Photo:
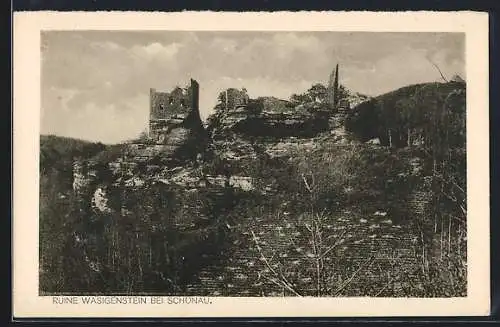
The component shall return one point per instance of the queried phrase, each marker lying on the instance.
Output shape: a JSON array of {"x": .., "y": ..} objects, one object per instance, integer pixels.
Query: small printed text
[{"x": 57, "y": 300}]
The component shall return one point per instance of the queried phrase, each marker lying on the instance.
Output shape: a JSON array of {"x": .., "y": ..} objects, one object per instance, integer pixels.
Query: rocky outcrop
[
  {"x": 192, "y": 181},
  {"x": 290, "y": 146},
  {"x": 247, "y": 130},
  {"x": 277, "y": 118},
  {"x": 85, "y": 173},
  {"x": 300, "y": 123},
  {"x": 100, "y": 200}
]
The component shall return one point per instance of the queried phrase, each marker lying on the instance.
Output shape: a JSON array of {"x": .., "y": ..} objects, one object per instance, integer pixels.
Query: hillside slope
[
  {"x": 414, "y": 114},
  {"x": 273, "y": 214}
]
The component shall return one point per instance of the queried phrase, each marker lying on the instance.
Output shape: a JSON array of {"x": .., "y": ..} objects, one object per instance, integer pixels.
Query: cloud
[
  {"x": 225, "y": 45},
  {"x": 114, "y": 124},
  {"x": 304, "y": 42},
  {"x": 403, "y": 67},
  {"x": 156, "y": 51},
  {"x": 54, "y": 105},
  {"x": 106, "y": 46}
]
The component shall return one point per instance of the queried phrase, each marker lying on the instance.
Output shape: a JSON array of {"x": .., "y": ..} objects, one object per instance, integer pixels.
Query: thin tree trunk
[
  {"x": 458, "y": 240},
  {"x": 141, "y": 272},
  {"x": 150, "y": 253},
  {"x": 449, "y": 235},
  {"x": 423, "y": 252},
  {"x": 441, "y": 239}
]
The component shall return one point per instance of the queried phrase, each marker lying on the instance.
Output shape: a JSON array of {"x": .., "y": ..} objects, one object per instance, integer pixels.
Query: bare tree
[{"x": 439, "y": 70}]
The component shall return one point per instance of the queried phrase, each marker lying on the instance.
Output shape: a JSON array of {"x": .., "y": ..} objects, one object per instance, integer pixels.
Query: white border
[{"x": 26, "y": 61}]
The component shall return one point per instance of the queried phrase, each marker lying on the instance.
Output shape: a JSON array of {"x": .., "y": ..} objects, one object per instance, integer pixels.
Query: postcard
[{"x": 284, "y": 164}]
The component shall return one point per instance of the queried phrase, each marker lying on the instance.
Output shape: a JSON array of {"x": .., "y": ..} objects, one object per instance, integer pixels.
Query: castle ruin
[{"x": 174, "y": 113}]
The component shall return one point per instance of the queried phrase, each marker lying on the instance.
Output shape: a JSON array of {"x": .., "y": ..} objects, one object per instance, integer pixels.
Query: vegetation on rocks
[{"x": 317, "y": 218}]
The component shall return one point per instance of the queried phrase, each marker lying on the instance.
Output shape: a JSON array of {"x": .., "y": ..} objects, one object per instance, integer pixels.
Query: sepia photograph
[
  {"x": 253, "y": 163},
  {"x": 205, "y": 164}
]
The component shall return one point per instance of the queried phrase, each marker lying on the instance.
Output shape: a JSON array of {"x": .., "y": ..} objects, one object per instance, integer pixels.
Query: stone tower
[
  {"x": 333, "y": 87},
  {"x": 173, "y": 109}
]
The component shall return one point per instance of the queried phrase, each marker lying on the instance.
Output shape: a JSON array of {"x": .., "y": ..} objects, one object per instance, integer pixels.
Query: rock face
[
  {"x": 100, "y": 200},
  {"x": 259, "y": 120},
  {"x": 277, "y": 118},
  {"x": 279, "y": 125},
  {"x": 248, "y": 129},
  {"x": 84, "y": 175}
]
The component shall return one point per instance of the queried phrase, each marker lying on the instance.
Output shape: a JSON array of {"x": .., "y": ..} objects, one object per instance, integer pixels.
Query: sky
[{"x": 95, "y": 84}]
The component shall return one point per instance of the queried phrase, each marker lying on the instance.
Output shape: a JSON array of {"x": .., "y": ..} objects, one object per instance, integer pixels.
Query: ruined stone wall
[
  {"x": 164, "y": 105},
  {"x": 173, "y": 110},
  {"x": 233, "y": 98},
  {"x": 275, "y": 105}
]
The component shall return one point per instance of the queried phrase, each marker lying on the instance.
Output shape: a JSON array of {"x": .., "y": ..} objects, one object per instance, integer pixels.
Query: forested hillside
[
  {"x": 429, "y": 113},
  {"x": 150, "y": 240},
  {"x": 281, "y": 214}
]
